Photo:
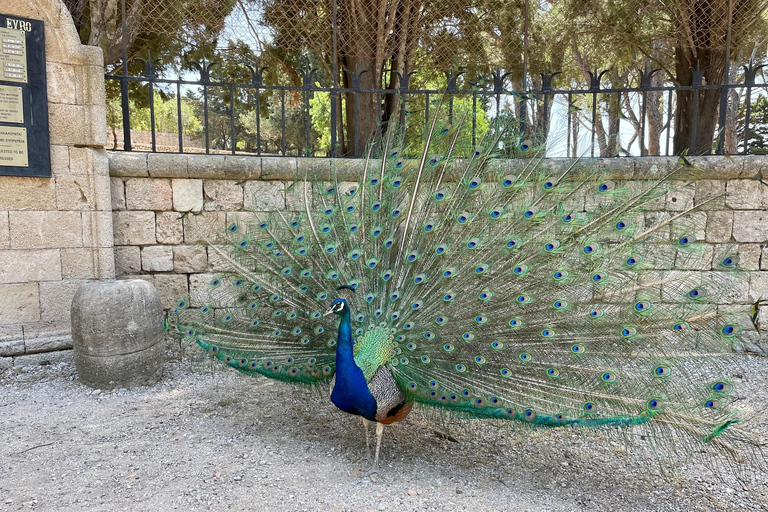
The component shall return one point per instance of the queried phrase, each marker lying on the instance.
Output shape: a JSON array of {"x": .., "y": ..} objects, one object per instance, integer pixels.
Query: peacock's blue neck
[{"x": 350, "y": 392}]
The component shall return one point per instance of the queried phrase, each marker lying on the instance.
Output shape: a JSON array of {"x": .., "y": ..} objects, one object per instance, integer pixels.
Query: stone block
[
  {"x": 12, "y": 347},
  {"x": 170, "y": 228},
  {"x": 87, "y": 263},
  {"x": 77, "y": 125},
  {"x": 719, "y": 226},
  {"x": 6, "y": 363},
  {"x": 128, "y": 165},
  {"x": 262, "y": 196},
  {"x": 75, "y": 192},
  {"x": 11, "y": 340},
  {"x": 44, "y": 358},
  {"x": 758, "y": 286},
  {"x": 97, "y": 229},
  {"x": 19, "y": 303},
  {"x": 171, "y": 287},
  {"x": 89, "y": 85},
  {"x": 190, "y": 258},
  {"x": 187, "y": 195},
  {"x": 681, "y": 198},
  {"x": 222, "y": 195},
  {"x": 60, "y": 160},
  {"x": 89, "y": 161},
  {"x": 117, "y": 192},
  {"x": 206, "y": 166},
  {"x": 134, "y": 228},
  {"x": 27, "y": 193},
  {"x": 56, "y": 300},
  {"x": 148, "y": 194},
  {"x": 750, "y": 226},
  {"x": 167, "y": 166},
  {"x": 60, "y": 79},
  {"x": 127, "y": 260},
  {"x": 764, "y": 259},
  {"x": 749, "y": 255},
  {"x": 41, "y": 230},
  {"x": 746, "y": 195},
  {"x": 242, "y": 167},
  {"x": 47, "y": 336},
  {"x": 5, "y": 234},
  {"x": 710, "y": 194},
  {"x": 283, "y": 168},
  {"x": 198, "y": 228},
  {"x": 30, "y": 265},
  {"x": 157, "y": 258},
  {"x": 117, "y": 333}
]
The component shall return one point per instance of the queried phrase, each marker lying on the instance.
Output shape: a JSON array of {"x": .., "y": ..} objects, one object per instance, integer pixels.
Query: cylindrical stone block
[{"x": 117, "y": 334}]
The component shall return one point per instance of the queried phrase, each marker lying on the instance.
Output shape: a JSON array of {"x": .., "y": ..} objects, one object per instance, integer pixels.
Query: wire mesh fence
[{"x": 320, "y": 77}]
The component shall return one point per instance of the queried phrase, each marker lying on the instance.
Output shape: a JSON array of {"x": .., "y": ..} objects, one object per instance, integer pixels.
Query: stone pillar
[{"x": 56, "y": 233}]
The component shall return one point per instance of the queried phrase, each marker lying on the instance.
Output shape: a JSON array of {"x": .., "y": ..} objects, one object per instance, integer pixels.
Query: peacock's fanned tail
[{"x": 547, "y": 298}]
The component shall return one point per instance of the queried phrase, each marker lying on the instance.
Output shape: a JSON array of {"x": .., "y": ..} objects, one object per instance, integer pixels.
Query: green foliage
[{"x": 166, "y": 120}]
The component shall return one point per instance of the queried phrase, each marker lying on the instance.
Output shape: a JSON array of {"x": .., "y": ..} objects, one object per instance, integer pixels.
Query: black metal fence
[{"x": 599, "y": 120}]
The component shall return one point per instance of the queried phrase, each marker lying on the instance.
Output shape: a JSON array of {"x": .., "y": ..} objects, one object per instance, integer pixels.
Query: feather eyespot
[
  {"x": 655, "y": 404},
  {"x": 508, "y": 181},
  {"x": 722, "y": 387}
]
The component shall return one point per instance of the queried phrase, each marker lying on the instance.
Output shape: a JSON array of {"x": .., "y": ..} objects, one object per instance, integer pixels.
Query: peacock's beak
[{"x": 328, "y": 311}]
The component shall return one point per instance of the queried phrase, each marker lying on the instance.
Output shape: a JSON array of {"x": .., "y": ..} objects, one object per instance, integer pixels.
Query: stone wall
[
  {"x": 159, "y": 200},
  {"x": 56, "y": 233}
]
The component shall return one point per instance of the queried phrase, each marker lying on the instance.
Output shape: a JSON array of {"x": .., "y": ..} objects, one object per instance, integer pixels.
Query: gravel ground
[{"x": 208, "y": 438}]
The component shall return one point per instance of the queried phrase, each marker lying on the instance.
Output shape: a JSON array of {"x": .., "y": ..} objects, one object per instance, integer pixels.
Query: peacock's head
[{"x": 339, "y": 305}]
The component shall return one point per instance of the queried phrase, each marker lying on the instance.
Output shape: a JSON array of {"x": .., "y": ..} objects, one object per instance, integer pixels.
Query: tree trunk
[
  {"x": 362, "y": 110},
  {"x": 702, "y": 135}
]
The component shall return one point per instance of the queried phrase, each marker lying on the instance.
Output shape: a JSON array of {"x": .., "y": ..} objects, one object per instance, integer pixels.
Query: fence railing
[{"x": 655, "y": 117}]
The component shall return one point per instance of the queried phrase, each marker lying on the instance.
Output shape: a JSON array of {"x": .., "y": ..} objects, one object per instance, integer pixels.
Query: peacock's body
[{"x": 546, "y": 299}]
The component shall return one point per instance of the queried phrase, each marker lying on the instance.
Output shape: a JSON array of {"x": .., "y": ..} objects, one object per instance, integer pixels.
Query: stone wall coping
[{"x": 238, "y": 167}]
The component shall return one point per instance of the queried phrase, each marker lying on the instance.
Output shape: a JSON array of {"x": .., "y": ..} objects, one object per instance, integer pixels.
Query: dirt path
[{"x": 206, "y": 439}]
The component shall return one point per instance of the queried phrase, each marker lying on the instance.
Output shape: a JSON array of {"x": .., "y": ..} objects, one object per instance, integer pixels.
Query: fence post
[{"x": 124, "y": 106}]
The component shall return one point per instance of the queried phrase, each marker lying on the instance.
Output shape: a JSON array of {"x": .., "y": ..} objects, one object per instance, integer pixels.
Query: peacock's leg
[
  {"x": 379, "y": 432},
  {"x": 366, "y": 423}
]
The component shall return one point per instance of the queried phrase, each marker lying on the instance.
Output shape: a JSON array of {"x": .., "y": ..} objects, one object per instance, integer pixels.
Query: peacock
[{"x": 546, "y": 296}]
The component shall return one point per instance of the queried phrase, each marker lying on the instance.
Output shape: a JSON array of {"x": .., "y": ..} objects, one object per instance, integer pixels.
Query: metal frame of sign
[{"x": 34, "y": 94}]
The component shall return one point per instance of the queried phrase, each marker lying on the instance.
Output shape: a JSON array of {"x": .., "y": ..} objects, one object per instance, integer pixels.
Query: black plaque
[{"x": 24, "y": 139}]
